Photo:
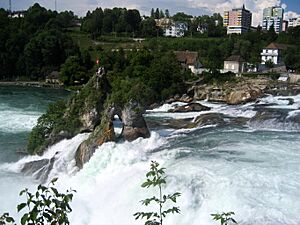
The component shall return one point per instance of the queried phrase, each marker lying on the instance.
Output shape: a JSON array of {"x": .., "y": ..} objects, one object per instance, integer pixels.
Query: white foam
[
  {"x": 64, "y": 152},
  {"x": 17, "y": 120},
  {"x": 281, "y": 102}
]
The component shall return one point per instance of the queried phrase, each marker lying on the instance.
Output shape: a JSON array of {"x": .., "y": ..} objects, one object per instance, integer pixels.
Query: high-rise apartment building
[
  {"x": 273, "y": 16},
  {"x": 237, "y": 21}
]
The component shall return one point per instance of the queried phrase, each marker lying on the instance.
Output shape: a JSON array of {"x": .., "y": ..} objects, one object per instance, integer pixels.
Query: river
[{"x": 246, "y": 164}]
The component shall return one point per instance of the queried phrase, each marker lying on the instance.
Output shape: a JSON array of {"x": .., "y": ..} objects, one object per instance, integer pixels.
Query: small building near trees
[
  {"x": 53, "y": 78},
  {"x": 235, "y": 64},
  {"x": 176, "y": 30},
  {"x": 273, "y": 54},
  {"x": 190, "y": 60}
]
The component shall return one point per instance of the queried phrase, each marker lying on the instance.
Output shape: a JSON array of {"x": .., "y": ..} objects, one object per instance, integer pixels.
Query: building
[
  {"x": 17, "y": 14},
  {"x": 273, "y": 53},
  {"x": 273, "y": 16},
  {"x": 53, "y": 78},
  {"x": 176, "y": 30},
  {"x": 285, "y": 25},
  {"x": 234, "y": 64},
  {"x": 189, "y": 60},
  {"x": 164, "y": 22},
  {"x": 237, "y": 21},
  {"x": 294, "y": 22}
]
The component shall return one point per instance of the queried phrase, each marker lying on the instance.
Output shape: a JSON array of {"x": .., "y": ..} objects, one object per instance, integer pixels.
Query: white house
[
  {"x": 234, "y": 64},
  {"x": 294, "y": 22},
  {"x": 176, "y": 30},
  {"x": 273, "y": 53}
]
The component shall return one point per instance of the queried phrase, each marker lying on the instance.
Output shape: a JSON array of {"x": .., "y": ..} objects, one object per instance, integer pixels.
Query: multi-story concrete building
[
  {"x": 237, "y": 21},
  {"x": 294, "y": 22},
  {"x": 176, "y": 30},
  {"x": 273, "y": 16}
]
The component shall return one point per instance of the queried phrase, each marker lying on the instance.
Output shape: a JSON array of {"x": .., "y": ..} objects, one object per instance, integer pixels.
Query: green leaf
[
  {"x": 21, "y": 206},
  {"x": 54, "y": 180},
  {"x": 24, "y": 219}
]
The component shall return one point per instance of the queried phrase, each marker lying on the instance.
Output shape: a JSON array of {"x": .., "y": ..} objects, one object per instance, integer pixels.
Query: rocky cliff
[
  {"x": 89, "y": 110},
  {"x": 243, "y": 91}
]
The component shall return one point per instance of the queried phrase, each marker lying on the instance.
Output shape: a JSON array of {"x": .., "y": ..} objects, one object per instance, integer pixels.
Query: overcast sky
[{"x": 194, "y": 7}]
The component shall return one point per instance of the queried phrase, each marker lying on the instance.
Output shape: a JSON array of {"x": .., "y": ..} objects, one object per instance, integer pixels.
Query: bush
[
  {"x": 45, "y": 206},
  {"x": 156, "y": 178}
]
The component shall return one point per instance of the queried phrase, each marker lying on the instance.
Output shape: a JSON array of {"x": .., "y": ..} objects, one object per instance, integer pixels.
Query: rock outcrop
[
  {"x": 236, "y": 97},
  {"x": 134, "y": 126},
  {"x": 89, "y": 110},
  {"x": 184, "y": 98},
  {"x": 191, "y": 107},
  {"x": 209, "y": 119},
  {"x": 245, "y": 90}
]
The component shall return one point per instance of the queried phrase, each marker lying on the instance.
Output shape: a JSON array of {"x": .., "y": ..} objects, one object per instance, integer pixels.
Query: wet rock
[
  {"x": 134, "y": 125},
  {"x": 89, "y": 119},
  {"x": 154, "y": 106},
  {"x": 242, "y": 96},
  {"x": 290, "y": 100},
  {"x": 217, "y": 95},
  {"x": 269, "y": 114},
  {"x": 39, "y": 169},
  {"x": 209, "y": 119},
  {"x": 191, "y": 107},
  {"x": 102, "y": 133},
  {"x": 180, "y": 123},
  {"x": 186, "y": 99}
]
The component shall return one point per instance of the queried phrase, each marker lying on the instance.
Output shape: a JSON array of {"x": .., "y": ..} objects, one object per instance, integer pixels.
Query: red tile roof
[{"x": 187, "y": 57}]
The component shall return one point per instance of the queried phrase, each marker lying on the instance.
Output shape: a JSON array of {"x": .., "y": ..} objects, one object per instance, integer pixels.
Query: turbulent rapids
[{"x": 246, "y": 160}]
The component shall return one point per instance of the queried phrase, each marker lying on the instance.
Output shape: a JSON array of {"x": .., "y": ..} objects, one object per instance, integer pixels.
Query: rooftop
[
  {"x": 235, "y": 58},
  {"x": 274, "y": 45},
  {"x": 187, "y": 57}
]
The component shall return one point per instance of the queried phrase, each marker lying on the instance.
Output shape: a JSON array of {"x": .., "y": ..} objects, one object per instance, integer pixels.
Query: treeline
[
  {"x": 118, "y": 20},
  {"x": 33, "y": 46},
  {"x": 123, "y": 22},
  {"x": 146, "y": 76}
]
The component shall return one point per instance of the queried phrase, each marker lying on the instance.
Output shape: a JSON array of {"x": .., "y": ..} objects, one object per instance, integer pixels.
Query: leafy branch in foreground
[
  {"x": 45, "y": 206},
  {"x": 156, "y": 178},
  {"x": 225, "y": 218},
  {"x": 5, "y": 219}
]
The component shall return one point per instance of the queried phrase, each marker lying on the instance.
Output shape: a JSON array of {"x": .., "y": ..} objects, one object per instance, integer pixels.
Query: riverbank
[{"x": 31, "y": 84}]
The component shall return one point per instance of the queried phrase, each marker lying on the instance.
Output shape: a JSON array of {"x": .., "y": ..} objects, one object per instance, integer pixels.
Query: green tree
[
  {"x": 148, "y": 28},
  {"x": 156, "y": 178},
  {"x": 152, "y": 13},
  {"x": 72, "y": 71},
  {"x": 167, "y": 13},
  {"x": 269, "y": 64},
  {"x": 156, "y": 14}
]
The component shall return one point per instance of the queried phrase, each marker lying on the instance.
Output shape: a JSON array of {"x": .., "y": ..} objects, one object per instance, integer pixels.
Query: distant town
[{"x": 227, "y": 43}]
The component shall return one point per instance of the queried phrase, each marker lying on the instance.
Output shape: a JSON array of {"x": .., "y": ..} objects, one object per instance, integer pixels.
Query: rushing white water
[
  {"x": 17, "y": 120},
  {"x": 252, "y": 169}
]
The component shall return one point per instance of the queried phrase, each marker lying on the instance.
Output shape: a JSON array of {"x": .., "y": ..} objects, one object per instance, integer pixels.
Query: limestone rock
[
  {"x": 191, "y": 107},
  {"x": 134, "y": 125},
  {"x": 209, "y": 119},
  {"x": 242, "y": 96}
]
